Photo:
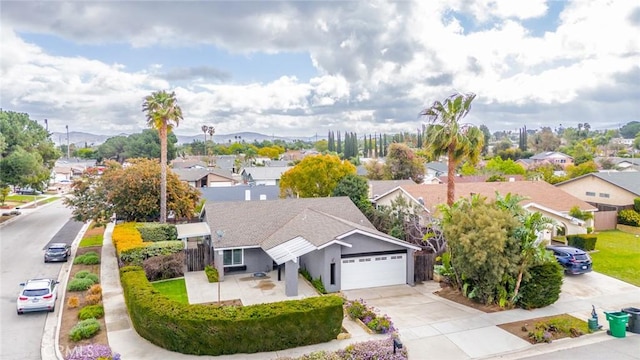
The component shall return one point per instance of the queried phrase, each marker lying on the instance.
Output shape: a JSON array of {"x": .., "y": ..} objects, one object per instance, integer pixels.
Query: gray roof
[
  {"x": 629, "y": 181},
  {"x": 190, "y": 174},
  {"x": 437, "y": 166},
  {"x": 266, "y": 172},
  {"x": 361, "y": 170},
  {"x": 184, "y": 164},
  {"x": 194, "y": 174},
  {"x": 269, "y": 223},
  {"x": 238, "y": 193},
  {"x": 276, "y": 163}
]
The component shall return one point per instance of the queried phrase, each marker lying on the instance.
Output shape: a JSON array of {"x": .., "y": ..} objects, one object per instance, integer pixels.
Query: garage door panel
[{"x": 373, "y": 271}]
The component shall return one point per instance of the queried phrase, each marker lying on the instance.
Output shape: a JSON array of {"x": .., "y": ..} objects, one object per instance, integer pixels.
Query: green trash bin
[{"x": 617, "y": 323}]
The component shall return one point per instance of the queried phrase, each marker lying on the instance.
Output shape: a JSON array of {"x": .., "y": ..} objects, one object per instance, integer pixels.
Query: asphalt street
[{"x": 22, "y": 242}]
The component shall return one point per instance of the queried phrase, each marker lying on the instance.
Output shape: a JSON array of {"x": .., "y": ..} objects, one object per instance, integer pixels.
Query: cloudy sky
[{"x": 299, "y": 68}]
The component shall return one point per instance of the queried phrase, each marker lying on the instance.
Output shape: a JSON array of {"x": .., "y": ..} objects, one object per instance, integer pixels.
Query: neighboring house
[
  {"x": 552, "y": 157},
  {"x": 329, "y": 237},
  {"x": 525, "y": 163},
  {"x": 263, "y": 175},
  {"x": 61, "y": 173},
  {"x": 627, "y": 164},
  {"x": 380, "y": 187},
  {"x": 540, "y": 196},
  {"x": 478, "y": 178},
  {"x": 435, "y": 169},
  {"x": 205, "y": 177},
  {"x": 239, "y": 193},
  {"x": 226, "y": 162},
  {"x": 608, "y": 191},
  {"x": 188, "y": 164}
]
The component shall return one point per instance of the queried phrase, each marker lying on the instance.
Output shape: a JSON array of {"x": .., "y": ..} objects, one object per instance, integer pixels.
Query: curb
[{"x": 54, "y": 320}]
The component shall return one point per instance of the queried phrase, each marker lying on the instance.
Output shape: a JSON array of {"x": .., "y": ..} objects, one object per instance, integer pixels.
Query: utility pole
[
  {"x": 46, "y": 125},
  {"x": 68, "y": 157}
]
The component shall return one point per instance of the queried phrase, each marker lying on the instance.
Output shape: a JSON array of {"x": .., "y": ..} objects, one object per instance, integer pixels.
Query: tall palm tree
[
  {"x": 446, "y": 135},
  {"x": 211, "y": 130},
  {"x": 163, "y": 113}
]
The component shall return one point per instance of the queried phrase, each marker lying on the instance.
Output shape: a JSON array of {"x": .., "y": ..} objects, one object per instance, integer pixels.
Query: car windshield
[
  {"x": 56, "y": 250},
  {"x": 35, "y": 292},
  {"x": 581, "y": 256}
]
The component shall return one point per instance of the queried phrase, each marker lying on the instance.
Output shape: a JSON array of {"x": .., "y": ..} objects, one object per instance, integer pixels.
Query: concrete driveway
[{"x": 434, "y": 327}]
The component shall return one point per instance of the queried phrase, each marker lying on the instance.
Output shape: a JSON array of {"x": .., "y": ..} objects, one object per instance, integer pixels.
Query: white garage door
[{"x": 372, "y": 271}]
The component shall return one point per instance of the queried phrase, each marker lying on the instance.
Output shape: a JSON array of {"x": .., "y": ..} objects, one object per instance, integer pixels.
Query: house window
[
  {"x": 332, "y": 274},
  {"x": 232, "y": 257},
  {"x": 591, "y": 193},
  {"x": 603, "y": 195}
]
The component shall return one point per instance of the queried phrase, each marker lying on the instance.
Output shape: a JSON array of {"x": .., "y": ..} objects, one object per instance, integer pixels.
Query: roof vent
[{"x": 421, "y": 200}]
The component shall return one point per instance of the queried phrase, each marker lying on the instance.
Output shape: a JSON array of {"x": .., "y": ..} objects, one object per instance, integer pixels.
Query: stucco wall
[
  {"x": 580, "y": 187},
  {"x": 257, "y": 260},
  {"x": 365, "y": 244}
]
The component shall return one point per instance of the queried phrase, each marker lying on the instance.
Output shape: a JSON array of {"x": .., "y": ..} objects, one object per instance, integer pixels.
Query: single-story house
[
  {"x": 552, "y": 157},
  {"x": 329, "y": 237},
  {"x": 606, "y": 190},
  {"x": 540, "y": 196},
  {"x": 205, "y": 177},
  {"x": 240, "y": 192},
  {"x": 263, "y": 175},
  {"x": 380, "y": 187}
]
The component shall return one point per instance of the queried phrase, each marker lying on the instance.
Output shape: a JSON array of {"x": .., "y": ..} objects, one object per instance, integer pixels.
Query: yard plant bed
[
  {"x": 69, "y": 315},
  {"x": 548, "y": 328},
  {"x": 455, "y": 295}
]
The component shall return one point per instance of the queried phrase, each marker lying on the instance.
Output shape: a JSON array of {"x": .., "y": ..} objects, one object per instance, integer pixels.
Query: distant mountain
[{"x": 81, "y": 139}]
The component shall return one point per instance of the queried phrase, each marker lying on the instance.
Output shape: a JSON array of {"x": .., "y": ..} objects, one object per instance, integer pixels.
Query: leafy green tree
[
  {"x": 484, "y": 252},
  {"x": 630, "y": 130},
  {"x": 403, "y": 164},
  {"x": 131, "y": 192},
  {"x": 147, "y": 145},
  {"x": 163, "y": 113},
  {"x": 114, "y": 148},
  {"x": 574, "y": 171},
  {"x": 314, "y": 176},
  {"x": 357, "y": 189},
  {"x": 487, "y": 139},
  {"x": 27, "y": 155},
  {"x": 321, "y": 146},
  {"x": 446, "y": 135},
  {"x": 544, "y": 140},
  {"x": 506, "y": 167}
]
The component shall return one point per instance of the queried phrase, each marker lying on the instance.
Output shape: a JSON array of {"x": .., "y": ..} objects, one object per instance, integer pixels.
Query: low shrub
[
  {"x": 154, "y": 232},
  {"x": 95, "y": 289},
  {"x": 84, "y": 329},
  {"x": 79, "y": 284},
  {"x": 629, "y": 217},
  {"x": 126, "y": 237},
  {"x": 84, "y": 274},
  {"x": 93, "y": 299},
  {"x": 91, "y": 312},
  {"x": 90, "y": 258},
  {"x": 543, "y": 287},
  {"x": 73, "y": 302},
  {"x": 136, "y": 256},
  {"x": 317, "y": 283},
  {"x": 212, "y": 274},
  {"x": 586, "y": 242},
  {"x": 92, "y": 352},
  {"x": 358, "y": 309},
  {"x": 164, "y": 267},
  {"x": 557, "y": 327}
]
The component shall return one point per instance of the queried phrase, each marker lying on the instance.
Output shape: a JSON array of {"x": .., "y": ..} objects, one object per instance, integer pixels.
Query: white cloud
[{"x": 377, "y": 63}]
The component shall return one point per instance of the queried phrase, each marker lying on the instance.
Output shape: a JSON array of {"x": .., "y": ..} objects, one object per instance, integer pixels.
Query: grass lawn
[
  {"x": 173, "y": 289},
  {"x": 94, "y": 240},
  {"x": 617, "y": 256}
]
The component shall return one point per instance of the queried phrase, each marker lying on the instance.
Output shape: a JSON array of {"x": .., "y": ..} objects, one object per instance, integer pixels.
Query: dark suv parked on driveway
[{"x": 574, "y": 260}]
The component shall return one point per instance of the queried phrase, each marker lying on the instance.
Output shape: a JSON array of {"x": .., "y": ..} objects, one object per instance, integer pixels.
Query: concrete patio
[{"x": 247, "y": 288}]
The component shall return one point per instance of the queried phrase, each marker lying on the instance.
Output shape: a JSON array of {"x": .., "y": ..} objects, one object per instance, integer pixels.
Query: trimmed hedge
[
  {"x": 136, "y": 256},
  {"x": 154, "y": 232},
  {"x": 212, "y": 274},
  {"x": 543, "y": 287},
  {"x": 213, "y": 330},
  {"x": 80, "y": 284},
  {"x": 629, "y": 217},
  {"x": 586, "y": 242},
  {"x": 89, "y": 258}
]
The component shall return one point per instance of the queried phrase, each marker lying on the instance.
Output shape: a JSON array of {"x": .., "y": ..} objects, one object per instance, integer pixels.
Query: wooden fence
[
  {"x": 423, "y": 266},
  {"x": 605, "y": 220},
  {"x": 197, "y": 258}
]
